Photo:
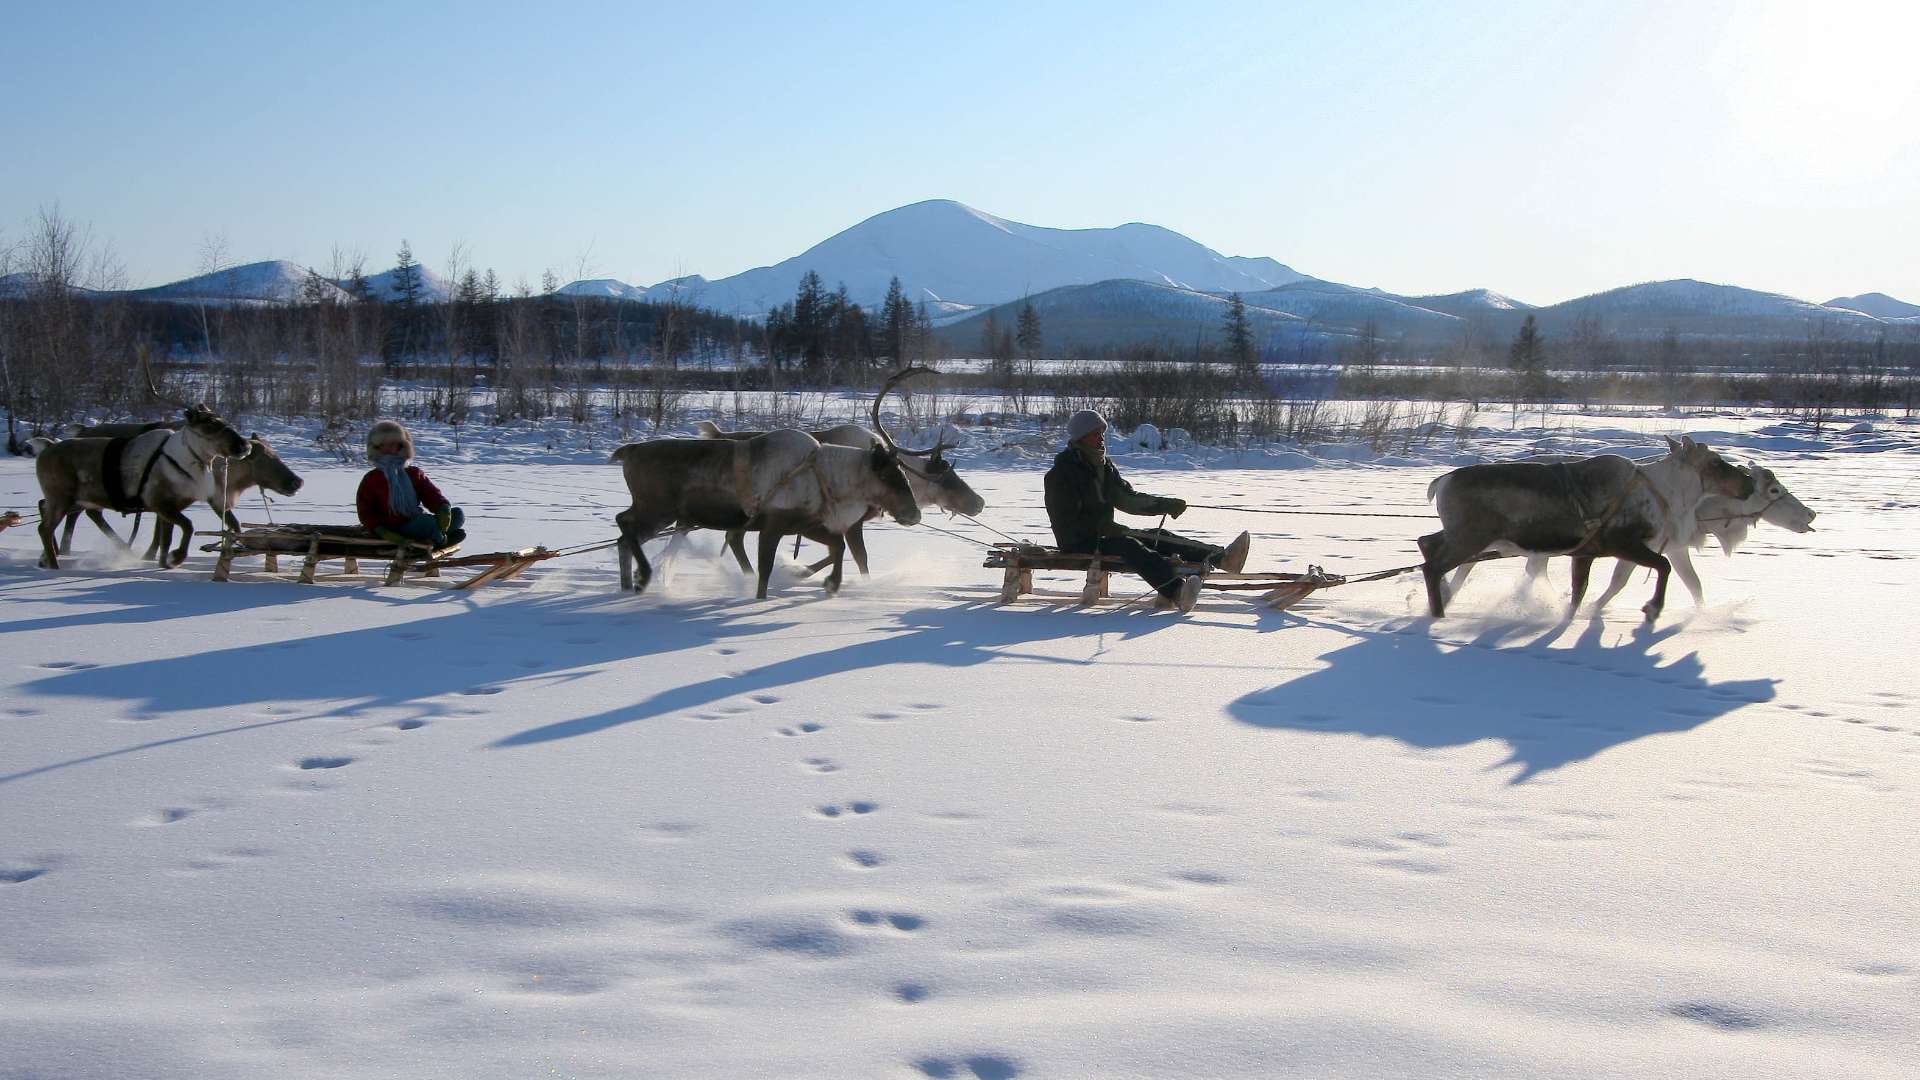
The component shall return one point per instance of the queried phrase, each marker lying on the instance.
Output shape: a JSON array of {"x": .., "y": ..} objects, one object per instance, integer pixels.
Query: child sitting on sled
[{"x": 396, "y": 502}]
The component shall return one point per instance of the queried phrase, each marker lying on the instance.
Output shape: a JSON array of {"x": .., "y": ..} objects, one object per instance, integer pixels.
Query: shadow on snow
[{"x": 1550, "y": 706}]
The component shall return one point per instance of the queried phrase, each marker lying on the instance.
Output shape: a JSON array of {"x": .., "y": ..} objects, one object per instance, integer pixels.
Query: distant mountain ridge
[{"x": 1127, "y": 283}]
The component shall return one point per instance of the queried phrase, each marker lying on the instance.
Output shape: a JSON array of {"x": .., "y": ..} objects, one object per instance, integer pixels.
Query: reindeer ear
[
  {"x": 255, "y": 435},
  {"x": 1672, "y": 447}
]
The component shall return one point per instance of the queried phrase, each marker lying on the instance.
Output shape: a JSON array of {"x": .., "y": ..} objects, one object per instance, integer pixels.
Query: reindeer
[
  {"x": 935, "y": 484},
  {"x": 232, "y": 478},
  {"x": 1602, "y": 506},
  {"x": 123, "y": 431},
  {"x": 161, "y": 470},
  {"x": 779, "y": 483}
]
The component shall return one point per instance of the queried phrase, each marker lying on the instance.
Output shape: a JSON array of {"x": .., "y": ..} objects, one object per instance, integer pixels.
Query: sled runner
[
  {"x": 1017, "y": 562},
  {"x": 322, "y": 543}
]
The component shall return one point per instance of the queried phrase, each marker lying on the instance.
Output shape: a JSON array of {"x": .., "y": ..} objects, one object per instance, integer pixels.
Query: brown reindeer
[
  {"x": 780, "y": 483},
  {"x": 232, "y": 478},
  {"x": 162, "y": 470},
  {"x": 1599, "y": 507},
  {"x": 934, "y": 483}
]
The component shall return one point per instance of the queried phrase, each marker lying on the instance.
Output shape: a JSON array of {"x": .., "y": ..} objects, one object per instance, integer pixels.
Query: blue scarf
[{"x": 400, "y": 493}]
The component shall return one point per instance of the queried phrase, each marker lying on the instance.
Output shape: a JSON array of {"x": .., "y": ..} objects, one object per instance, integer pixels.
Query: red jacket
[{"x": 376, "y": 506}]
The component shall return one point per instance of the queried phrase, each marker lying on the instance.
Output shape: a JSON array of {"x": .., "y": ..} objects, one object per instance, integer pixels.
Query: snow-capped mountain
[
  {"x": 1343, "y": 308},
  {"x": 1699, "y": 307},
  {"x": 1123, "y": 312},
  {"x": 945, "y": 251},
  {"x": 275, "y": 281},
  {"x": 1877, "y": 304},
  {"x": 1473, "y": 303},
  {"x": 602, "y": 288},
  {"x": 433, "y": 287}
]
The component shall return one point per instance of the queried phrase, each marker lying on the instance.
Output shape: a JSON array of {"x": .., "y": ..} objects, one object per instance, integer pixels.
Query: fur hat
[
  {"x": 384, "y": 432},
  {"x": 1084, "y": 423}
]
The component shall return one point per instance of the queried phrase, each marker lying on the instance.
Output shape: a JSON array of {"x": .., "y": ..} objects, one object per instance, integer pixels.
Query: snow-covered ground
[{"x": 549, "y": 829}]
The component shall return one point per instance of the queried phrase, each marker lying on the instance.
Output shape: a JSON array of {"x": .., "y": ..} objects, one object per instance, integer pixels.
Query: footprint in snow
[
  {"x": 979, "y": 1066},
  {"x": 409, "y": 725},
  {"x": 480, "y": 691},
  {"x": 911, "y": 993},
  {"x": 68, "y": 665},
  {"x": 323, "y": 762},
  {"x": 1714, "y": 1014},
  {"x": 852, "y": 808},
  {"x": 902, "y": 921},
  {"x": 865, "y": 860},
  {"x": 764, "y": 699},
  {"x": 820, "y": 765},
  {"x": 801, "y": 729},
  {"x": 20, "y": 875}
]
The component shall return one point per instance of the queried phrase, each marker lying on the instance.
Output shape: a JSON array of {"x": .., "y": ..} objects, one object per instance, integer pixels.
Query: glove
[
  {"x": 443, "y": 518},
  {"x": 1174, "y": 507}
]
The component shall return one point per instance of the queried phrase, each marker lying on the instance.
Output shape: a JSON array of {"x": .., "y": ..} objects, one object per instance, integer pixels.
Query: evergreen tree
[
  {"x": 1240, "y": 350},
  {"x": 1028, "y": 335},
  {"x": 990, "y": 338},
  {"x": 405, "y": 296},
  {"x": 1528, "y": 361},
  {"x": 896, "y": 324},
  {"x": 406, "y": 278},
  {"x": 810, "y": 320}
]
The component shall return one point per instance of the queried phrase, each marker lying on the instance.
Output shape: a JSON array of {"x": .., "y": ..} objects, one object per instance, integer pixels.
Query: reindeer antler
[
  {"x": 886, "y": 388},
  {"x": 147, "y": 370}
]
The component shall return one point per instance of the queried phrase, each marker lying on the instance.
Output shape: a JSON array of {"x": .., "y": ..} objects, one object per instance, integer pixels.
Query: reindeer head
[
  {"x": 1718, "y": 476},
  {"x": 898, "y": 494},
  {"x": 1782, "y": 509},
  {"x": 269, "y": 471},
  {"x": 943, "y": 486}
]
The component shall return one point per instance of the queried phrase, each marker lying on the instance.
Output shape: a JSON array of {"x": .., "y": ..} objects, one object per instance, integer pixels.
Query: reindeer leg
[
  {"x": 629, "y": 549},
  {"x": 1682, "y": 561},
  {"x": 49, "y": 559},
  {"x": 1582, "y": 569},
  {"x": 1646, "y": 556},
  {"x": 66, "y": 538},
  {"x": 168, "y": 519},
  {"x": 1442, "y": 554},
  {"x": 836, "y": 550},
  {"x": 769, "y": 551},
  {"x": 737, "y": 543},
  {"x": 857, "y": 543},
  {"x": 1622, "y": 573}
]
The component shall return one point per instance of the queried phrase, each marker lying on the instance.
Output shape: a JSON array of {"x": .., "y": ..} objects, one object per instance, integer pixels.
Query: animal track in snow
[
  {"x": 911, "y": 993},
  {"x": 409, "y": 725},
  {"x": 68, "y": 665},
  {"x": 1724, "y": 1017},
  {"x": 323, "y": 762},
  {"x": 978, "y": 1066},
  {"x": 865, "y": 860},
  {"x": 764, "y": 699},
  {"x": 480, "y": 691},
  {"x": 669, "y": 832},
  {"x": 820, "y": 765},
  {"x": 855, "y": 808},
  {"x": 904, "y": 922},
  {"x": 20, "y": 875},
  {"x": 801, "y": 729}
]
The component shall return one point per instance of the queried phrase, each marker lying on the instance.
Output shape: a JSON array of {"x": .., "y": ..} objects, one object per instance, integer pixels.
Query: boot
[{"x": 1235, "y": 559}]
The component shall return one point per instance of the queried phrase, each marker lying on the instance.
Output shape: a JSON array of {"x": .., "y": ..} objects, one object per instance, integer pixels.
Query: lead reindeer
[
  {"x": 935, "y": 483},
  {"x": 261, "y": 467},
  {"x": 781, "y": 483},
  {"x": 1601, "y": 507},
  {"x": 162, "y": 470},
  {"x": 1686, "y": 528}
]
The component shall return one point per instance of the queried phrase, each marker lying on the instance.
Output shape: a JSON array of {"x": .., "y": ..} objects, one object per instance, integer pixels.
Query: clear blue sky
[{"x": 1542, "y": 150}]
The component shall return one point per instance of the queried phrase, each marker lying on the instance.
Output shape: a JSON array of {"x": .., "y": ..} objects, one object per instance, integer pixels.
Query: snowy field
[{"x": 265, "y": 829}]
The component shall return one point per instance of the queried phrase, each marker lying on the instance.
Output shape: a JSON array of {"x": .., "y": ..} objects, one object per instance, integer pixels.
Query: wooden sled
[
  {"x": 316, "y": 544},
  {"x": 1017, "y": 562}
]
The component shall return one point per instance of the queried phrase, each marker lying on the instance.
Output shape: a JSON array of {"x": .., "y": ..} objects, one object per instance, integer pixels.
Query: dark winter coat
[
  {"x": 375, "y": 503},
  {"x": 1081, "y": 502}
]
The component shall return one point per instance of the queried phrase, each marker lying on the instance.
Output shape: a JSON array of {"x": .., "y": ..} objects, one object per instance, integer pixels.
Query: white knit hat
[{"x": 1084, "y": 423}]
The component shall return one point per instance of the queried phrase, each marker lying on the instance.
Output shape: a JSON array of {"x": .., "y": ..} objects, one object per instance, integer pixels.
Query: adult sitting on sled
[
  {"x": 1083, "y": 491},
  {"x": 397, "y": 503}
]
